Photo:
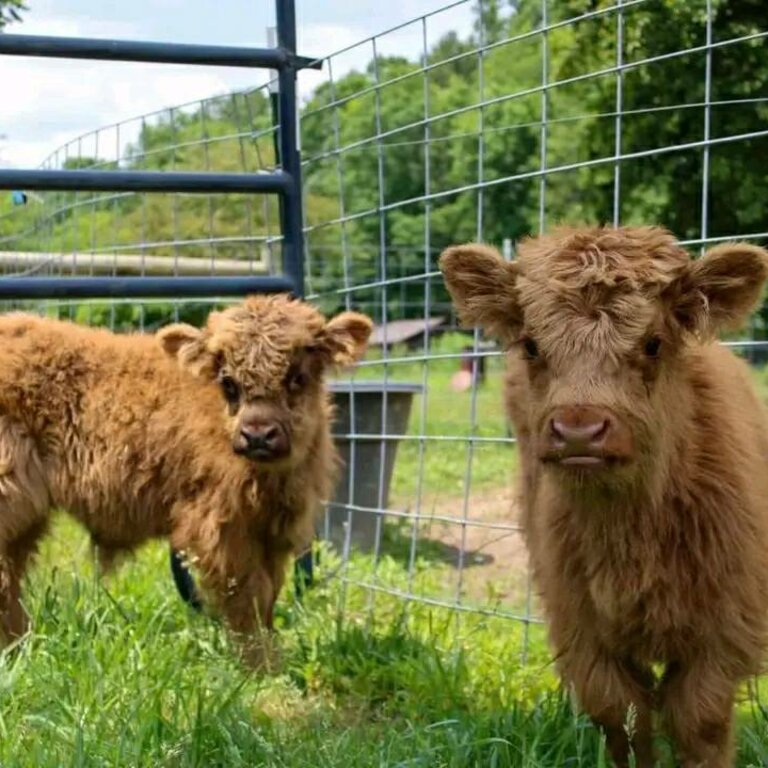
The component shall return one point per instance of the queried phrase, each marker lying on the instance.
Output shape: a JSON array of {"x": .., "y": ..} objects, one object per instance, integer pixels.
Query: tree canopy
[
  {"x": 416, "y": 152},
  {"x": 10, "y": 10}
]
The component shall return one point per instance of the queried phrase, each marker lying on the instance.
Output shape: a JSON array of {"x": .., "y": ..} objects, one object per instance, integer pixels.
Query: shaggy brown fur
[
  {"x": 644, "y": 454},
  {"x": 216, "y": 438}
]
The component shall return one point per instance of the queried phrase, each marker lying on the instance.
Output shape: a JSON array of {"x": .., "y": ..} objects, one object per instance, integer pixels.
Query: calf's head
[
  {"x": 268, "y": 356},
  {"x": 598, "y": 322}
]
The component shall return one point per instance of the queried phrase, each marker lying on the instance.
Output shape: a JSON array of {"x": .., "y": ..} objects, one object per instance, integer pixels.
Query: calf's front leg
[
  {"x": 697, "y": 700},
  {"x": 617, "y": 695},
  {"x": 247, "y": 609},
  {"x": 246, "y": 602},
  {"x": 241, "y": 577}
]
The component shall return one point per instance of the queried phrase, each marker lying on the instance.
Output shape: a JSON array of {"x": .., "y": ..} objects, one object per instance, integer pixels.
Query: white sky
[{"x": 47, "y": 102}]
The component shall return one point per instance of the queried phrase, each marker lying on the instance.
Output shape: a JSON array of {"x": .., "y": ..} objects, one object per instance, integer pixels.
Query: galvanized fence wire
[
  {"x": 122, "y": 232},
  {"x": 418, "y": 147},
  {"x": 145, "y": 234},
  {"x": 447, "y": 518}
]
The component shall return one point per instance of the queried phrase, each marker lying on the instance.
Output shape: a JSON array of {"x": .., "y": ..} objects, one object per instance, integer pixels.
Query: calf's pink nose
[{"x": 579, "y": 433}]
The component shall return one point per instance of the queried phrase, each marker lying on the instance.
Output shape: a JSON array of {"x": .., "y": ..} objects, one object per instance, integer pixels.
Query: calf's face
[
  {"x": 598, "y": 322},
  {"x": 268, "y": 356}
]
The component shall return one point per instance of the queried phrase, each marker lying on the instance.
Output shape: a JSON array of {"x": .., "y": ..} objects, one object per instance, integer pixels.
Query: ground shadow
[{"x": 396, "y": 540}]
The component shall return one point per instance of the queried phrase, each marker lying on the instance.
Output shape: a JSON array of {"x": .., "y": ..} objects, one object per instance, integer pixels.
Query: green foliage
[
  {"x": 125, "y": 316},
  {"x": 376, "y": 141},
  {"x": 662, "y": 101},
  {"x": 119, "y": 673},
  {"x": 10, "y": 11},
  {"x": 667, "y": 188},
  {"x": 663, "y": 188}
]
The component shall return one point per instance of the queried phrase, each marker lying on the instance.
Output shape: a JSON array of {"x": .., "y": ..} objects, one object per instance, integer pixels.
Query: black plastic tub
[{"x": 368, "y": 458}]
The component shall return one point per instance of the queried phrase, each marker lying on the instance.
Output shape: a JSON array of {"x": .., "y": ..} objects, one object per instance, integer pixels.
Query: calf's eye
[
  {"x": 230, "y": 389},
  {"x": 653, "y": 347},
  {"x": 530, "y": 347},
  {"x": 297, "y": 380}
]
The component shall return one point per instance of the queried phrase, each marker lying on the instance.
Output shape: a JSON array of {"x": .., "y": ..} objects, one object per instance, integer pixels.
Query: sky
[{"x": 47, "y": 102}]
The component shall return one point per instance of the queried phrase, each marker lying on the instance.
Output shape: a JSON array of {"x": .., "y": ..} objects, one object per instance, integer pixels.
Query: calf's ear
[
  {"x": 344, "y": 338},
  {"x": 482, "y": 286},
  {"x": 720, "y": 290},
  {"x": 187, "y": 345}
]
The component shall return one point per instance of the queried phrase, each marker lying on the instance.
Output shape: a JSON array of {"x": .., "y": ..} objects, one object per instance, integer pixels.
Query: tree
[
  {"x": 10, "y": 11},
  {"x": 467, "y": 129},
  {"x": 664, "y": 107},
  {"x": 489, "y": 24}
]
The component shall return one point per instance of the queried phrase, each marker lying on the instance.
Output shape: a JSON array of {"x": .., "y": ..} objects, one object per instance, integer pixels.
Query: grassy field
[{"x": 120, "y": 673}]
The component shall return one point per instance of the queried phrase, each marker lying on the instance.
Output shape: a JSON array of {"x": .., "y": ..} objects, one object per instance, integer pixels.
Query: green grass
[{"x": 120, "y": 673}]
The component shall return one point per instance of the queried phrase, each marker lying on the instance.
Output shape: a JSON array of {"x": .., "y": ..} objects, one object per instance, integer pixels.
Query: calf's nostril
[
  {"x": 599, "y": 430},
  {"x": 557, "y": 429},
  {"x": 271, "y": 434},
  {"x": 267, "y": 437}
]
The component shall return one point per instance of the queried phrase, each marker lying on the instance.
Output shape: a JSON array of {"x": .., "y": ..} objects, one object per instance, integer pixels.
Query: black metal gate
[{"x": 285, "y": 182}]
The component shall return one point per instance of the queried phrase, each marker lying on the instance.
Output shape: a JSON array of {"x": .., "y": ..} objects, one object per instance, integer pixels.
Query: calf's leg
[
  {"x": 617, "y": 695},
  {"x": 698, "y": 701},
  {"x": 24, "y": 507},
  {"x": 14, "y": 556},
  {"x": 247, "y": 608},
  {"x": 243, "y": 590},
  {"x": 240, "y": 576}
]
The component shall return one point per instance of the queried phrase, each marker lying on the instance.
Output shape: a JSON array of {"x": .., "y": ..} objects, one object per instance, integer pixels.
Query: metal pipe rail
[
  {"x": 95, "y": 262},
  {"x": 153, "y": 52},
  {"x": 146, "y": 181},
  {"x": 286, "y": 183},
  {"x": 140, "y": 287}
]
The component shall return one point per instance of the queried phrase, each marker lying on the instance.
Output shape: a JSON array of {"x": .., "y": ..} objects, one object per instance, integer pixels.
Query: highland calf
[
  {"x": 218, "y": 439},
  {"x": 644, "y": 470}
]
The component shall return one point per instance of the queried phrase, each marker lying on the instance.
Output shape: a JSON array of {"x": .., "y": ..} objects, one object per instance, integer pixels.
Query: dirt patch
[{"x": 494, "y": 564}]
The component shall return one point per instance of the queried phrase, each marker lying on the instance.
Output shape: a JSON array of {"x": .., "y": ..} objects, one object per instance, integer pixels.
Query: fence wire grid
[{"x": 546, "y": 111}]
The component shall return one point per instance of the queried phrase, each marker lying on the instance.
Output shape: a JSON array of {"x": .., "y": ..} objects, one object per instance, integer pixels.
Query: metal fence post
[
  {"x": 291, "y": 212},
  {"x": 292, "y": 220}
]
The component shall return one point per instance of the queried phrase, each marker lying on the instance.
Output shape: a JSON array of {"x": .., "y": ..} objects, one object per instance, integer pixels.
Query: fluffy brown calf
[
  {"x": 216, "y": 438},
  {"x": 644, "y": 463}
]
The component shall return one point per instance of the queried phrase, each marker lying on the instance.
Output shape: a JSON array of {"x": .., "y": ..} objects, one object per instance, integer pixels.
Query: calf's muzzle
[
  {"x": 585, "y": 436},
  {"x": 265, "y": 440}
]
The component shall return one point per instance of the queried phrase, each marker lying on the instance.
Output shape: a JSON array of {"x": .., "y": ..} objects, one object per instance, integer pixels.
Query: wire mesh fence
[
  {"x": 545, "y": 111},
  {"x": 129, "y": 233},
  {"x": 623, "y": 112}
]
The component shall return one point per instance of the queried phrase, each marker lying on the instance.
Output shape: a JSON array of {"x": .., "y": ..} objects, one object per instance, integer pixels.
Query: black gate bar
[
  {"x": 156, "y": 53},
  {"x": 140, "y": 287},
  {"x": 147, "y": 181},
  {"x": 291, "y": 216},
  {"x": 286, "y": 182}
]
